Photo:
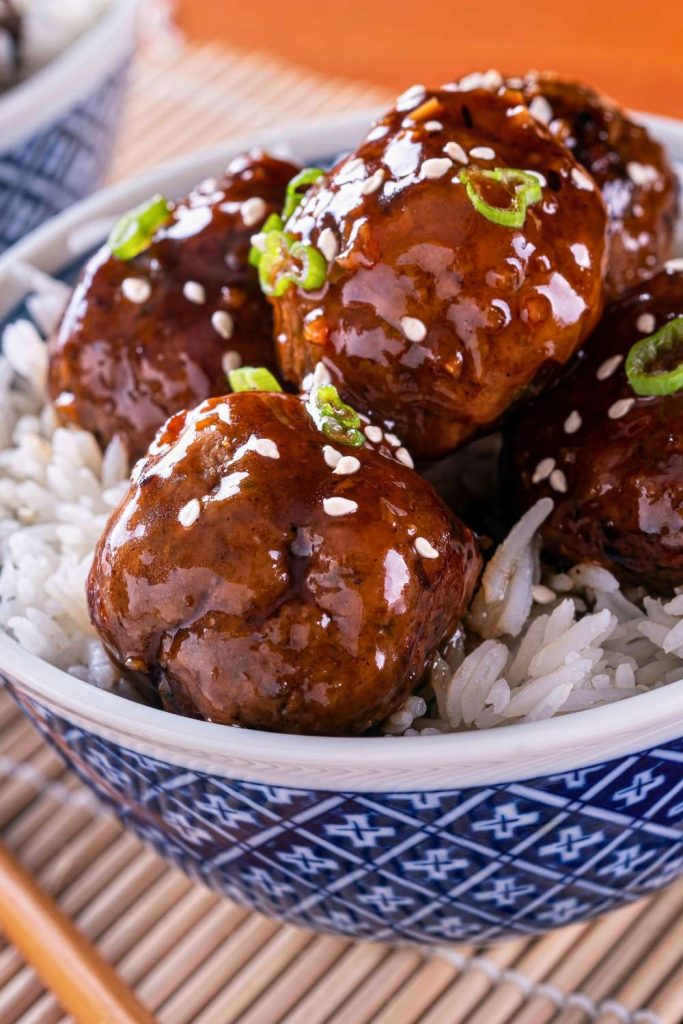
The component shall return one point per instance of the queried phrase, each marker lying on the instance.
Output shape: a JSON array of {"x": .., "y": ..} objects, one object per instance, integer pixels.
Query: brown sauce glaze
[
  {"x": 227, "y": 579},
  {"x": 433, "y": 318},
  {"x": 637, "y": 181},
  {"x": 617, "y": 471},
  {"x": 126, "y": 357}
]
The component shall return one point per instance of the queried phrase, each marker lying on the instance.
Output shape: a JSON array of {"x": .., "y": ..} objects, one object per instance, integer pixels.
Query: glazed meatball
[
  {"x": 465, "y": 253},
  {"x": 611, "y": 459},
  {"x": 637, "y": 181},
  {"x": 147, "y": 336},
  {"x": 259, "y": 574}
]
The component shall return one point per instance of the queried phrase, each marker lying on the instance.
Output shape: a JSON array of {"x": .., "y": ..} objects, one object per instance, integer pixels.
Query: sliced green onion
[
  {"x": 253, "y": 378},
  {"x": 337, "y": 420},
  {"x": 272, "y": 223},
  {"x": 654, "y": 365},
  {"x": 293, "y": 196},
  {"x": 133, "y": 233},
  {"x": 527, "y": 191},
  {"x": 286, "y": 261},
  {"x": 313, "y": 270}
]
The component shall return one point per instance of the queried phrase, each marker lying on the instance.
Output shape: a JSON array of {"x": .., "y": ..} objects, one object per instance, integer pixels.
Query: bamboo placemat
[{"x": 195, "y": 958}]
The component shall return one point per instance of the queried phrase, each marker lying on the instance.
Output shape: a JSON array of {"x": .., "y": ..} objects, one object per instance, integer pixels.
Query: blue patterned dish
[
  {"x": 469, "y": 837},
  {"x": 58, "y": 127}
]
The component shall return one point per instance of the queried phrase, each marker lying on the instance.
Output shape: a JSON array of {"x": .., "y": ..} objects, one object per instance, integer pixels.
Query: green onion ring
[
  {"x": 272, "y": 223},
  {"x": 644, "y": 355},
  {"x": 253, "y": 378},
  {"x": 337, "y": 420},
  {"x": 293, "y": 197},
  {"x": 527, "y": 191},
  {"x": 134, "y": 231},
  {"x": 286, "y": 261}
]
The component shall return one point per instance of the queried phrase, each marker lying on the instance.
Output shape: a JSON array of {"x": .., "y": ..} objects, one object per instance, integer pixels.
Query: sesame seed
[
  {"x": 455, "y": 152},
  {"x": 483, "y": 153},
  {"x": 327, "y": 243},
  {"x": 515, "y": 83},
  {"x": 206, "y": 187},
  {"x": 541, "y": 109},
  {"x": 351, "y": 170},
  {"x": 392, "y": 440},
  {"x": 558, "y": 481},
  {"x": 321, "y": 375},
  {"x": 404, "y": 456},
  {"x": 606, "y": 369},
  {"x": 331, "y": 456},
  {"x": 675, "y": 264},
  {"x": 433, "y": 126},
  {"x": 253, "y": 210},
  {"x": 492, "y": 79},
  {"x": 413, "y": 328},
  {"x": 222, "y": 323},
  {"x": 641, "y": 174},
  {"x": 339, "y": 506},
  {"x": 231, "y": 361},
  {"x": 373, "y": 182},
  {"x": 194, "y": 292},
  {"x": 409, "y": 99},
  {"x": 264, "y": 446},
  {"x": 540, "y": 178},
  {"x": 436, "y": 167},
  {"x": 646, "y": 323},
  {"x": 542, "y": 595},
  {"x": 573, "y": 422},
  {"x": 543, "y": 470},
  {"x": 582, "y": 180},
  {"x": 136, "y": 289},
  {"x": 620, "y": 408},
  {"x": 424, "y": 548},
  {"x": 475, "y": 80},
  {"x": 189, "y": 513},
  {"x": 258, "y": 241},
  {"x": 347, "y": 464},
  {"x": 373, "y": 433}
]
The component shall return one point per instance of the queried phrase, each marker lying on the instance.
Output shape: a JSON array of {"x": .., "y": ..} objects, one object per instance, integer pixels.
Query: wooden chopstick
[{"x": 86, "y": 985}]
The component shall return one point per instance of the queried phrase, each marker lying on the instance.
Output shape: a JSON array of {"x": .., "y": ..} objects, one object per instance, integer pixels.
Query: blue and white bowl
[
  {"x": 57, "y": 128},
  {"x": 468, "y": 837}
]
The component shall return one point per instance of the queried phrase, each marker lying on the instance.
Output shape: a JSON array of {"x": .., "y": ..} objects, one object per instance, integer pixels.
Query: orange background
[{"x": 631, "y": 48}]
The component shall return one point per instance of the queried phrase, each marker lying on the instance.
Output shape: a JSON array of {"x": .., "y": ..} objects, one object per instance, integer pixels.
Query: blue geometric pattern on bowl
[
  {"x": 62, "y": 163},
  {"x": 475, "y": 864}
]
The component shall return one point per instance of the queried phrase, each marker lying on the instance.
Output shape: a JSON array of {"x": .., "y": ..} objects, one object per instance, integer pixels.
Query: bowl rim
[
  {"x": 40, "y": 98},
  {"x": 516, "y": 752}
]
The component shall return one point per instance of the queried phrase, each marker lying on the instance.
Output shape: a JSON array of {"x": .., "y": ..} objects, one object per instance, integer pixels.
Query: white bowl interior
[{"x": 51, "y": 90}]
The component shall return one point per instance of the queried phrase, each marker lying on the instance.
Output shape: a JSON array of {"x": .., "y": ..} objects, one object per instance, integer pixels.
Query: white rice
[
  {"x": 56, "y": 492},
  {"x": 50, "y": 26},
  {"x": 586, "y": 643},
  {"x": 536, "y": 643}
]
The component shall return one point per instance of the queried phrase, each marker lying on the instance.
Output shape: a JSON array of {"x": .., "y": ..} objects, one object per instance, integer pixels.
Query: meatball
[
  {"x": 147, "y": 336},
  {"x": 637, "y": 181},
  {"x": 259, "y": 574},
  {"x": 465, "y": 251},
  {"x": 611, "y": 459}
]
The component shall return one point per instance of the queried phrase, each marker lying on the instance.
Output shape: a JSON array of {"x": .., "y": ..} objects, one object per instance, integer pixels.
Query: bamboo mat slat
[{"x": 192, "y": 957}]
